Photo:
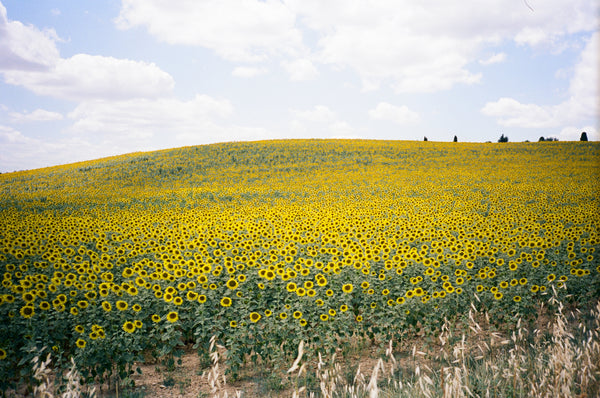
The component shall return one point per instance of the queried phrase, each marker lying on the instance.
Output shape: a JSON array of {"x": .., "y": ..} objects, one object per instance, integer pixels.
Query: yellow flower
[
  {"x": 291, "y": 287},
  {"x": 129, "y": 327},
  {"x": 80, "y": 343},
  {"x": 347, "y": 288},
  {"x": 255, "y": 317},
  {"x": 232, "y": 284},
  {"x": 226, "y": 301},
  {"x": 121, "y": 305},
  {"x": 172, "y": 316},
  {"x": 155, "y": 318}
]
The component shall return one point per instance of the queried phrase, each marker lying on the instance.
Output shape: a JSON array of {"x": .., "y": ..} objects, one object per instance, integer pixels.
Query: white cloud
[
  {"x": 319, "y": 114},
  {"x": 245, "y": 30},
  {"x": 320, "y": 121},
  {"x": 393, "y": 113},
  {"x": 410, "y": 46},
  {"x": 300, "y": 69},
  {"x": 38, "y": 115},
  {"x": 494, "y": 59},
  {"x": 512, "y": 113},
  {"x": 30, "y": 58},
  {"x": 143, "y": 118},
  {"x": 84, "y": 77},
  {"x": 247, "y": 71},
  {"x": 25, "y": 47},
  {"x": 574, "y": 134},
  {"x": 104, "y": 128},
  {"x": 427, "y": 47},
  {"x": 583, "y": 102},
  {"x": 19, "y": 150}
]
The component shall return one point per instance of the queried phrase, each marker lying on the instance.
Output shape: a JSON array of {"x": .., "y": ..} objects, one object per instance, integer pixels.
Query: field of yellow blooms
[{"x": 266, "y": 244}]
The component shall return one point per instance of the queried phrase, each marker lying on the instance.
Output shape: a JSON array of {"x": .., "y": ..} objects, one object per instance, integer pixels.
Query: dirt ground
[{"x": 190, "y": 380}]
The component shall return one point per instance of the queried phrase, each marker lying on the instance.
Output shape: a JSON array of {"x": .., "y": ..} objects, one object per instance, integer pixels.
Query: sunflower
[
  {"x": 129, "y": 327},
  {"x": 255, "y": 317},
  {"x": 347, "y": 288},
  {"x": 359, "y": 318},
  {"x": 283, "y": 315},
  {"x": 172, "y": 316},
  {"x": 323, "y": 317},
  {"x": 177, "y": 300},
  {"x": 343, "y": 308},
  {"x": 191, "y": 295},
  {"x": 303, "y": 322},
  {"x": 516, "y": 299},
  {"x": 80, "y": 343},
  {"x": 28, "y": 297},
  {"x": 79, "y": 329},
  {"x": 232, "y": 284},
  {"x": 2, "y": 354},
  {"x": 233, "y": 324},
  {"x": 138, "y": 324},
  {"x": 121, "y": 305},
  {"x": 155, "y": 318},
  {"x": 226, "y": 301},
  {"x": 44, "y": 306},
  {"x": 136, "y": 307},
  {"x": 291, "y": 287}
]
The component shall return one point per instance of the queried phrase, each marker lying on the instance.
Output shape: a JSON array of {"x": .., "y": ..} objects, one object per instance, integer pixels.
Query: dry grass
[{"x": 558, "y": 359}]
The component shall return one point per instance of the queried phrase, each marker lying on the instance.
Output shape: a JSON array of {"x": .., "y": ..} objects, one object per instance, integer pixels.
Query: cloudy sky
[{"x": 81, "y": 80}]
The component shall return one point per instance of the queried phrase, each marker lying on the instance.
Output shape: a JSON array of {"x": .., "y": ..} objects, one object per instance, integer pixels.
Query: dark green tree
[
  {"x": 503, "y": 138},
  {"x": 583, "y": 137}
]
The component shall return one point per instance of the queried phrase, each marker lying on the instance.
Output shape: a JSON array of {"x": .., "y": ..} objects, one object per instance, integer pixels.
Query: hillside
[{"x": 266, "y": 244}]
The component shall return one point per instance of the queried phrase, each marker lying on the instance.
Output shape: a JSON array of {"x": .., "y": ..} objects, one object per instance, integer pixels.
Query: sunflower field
[{"x": 266, "y": 244}]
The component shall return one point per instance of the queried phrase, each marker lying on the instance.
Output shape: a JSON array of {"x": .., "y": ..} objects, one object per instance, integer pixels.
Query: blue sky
[{"x": 81, "y": 80}]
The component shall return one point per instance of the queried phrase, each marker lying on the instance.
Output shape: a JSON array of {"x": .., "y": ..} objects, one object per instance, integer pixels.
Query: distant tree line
[{"x": 504, "y": 138}]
